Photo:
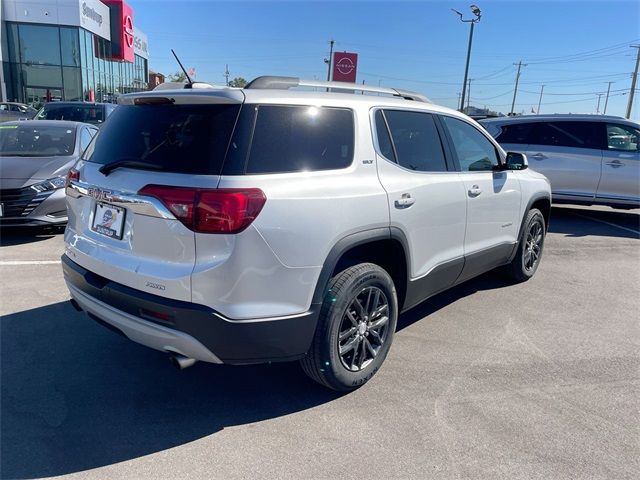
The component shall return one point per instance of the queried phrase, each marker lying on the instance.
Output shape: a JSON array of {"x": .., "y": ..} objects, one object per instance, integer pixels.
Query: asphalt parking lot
[{"x": 488, "y": 380}]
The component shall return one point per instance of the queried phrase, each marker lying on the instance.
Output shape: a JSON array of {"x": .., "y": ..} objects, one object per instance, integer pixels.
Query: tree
[
  {"x": 178, "y": 77},
  {"x": 238, "y": 82}
]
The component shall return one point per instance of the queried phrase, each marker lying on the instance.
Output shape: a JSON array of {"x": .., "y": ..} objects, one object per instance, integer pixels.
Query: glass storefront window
[
  {"x": 40, "y": 57},
  {"x": 39, "y": 44},
  {"x": 14, "y": 42},
  {"x": 42, "y": 76},
  {"x": 72, "y": 90},
  {"x": 70, "y": 47}
]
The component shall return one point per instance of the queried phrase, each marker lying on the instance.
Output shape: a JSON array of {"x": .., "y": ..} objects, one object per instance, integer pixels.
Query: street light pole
[{"x": 476, "y": 11}]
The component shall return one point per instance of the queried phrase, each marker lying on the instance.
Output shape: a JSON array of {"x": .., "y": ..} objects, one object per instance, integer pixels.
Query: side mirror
[{"x": 516, "y": 161}]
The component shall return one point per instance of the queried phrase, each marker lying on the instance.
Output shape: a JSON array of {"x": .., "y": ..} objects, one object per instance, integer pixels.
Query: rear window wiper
[{"x": 107, "y": 168}]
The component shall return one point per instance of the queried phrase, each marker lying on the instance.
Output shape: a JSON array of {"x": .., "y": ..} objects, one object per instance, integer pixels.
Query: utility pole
[
  {"x": 226, "y": 75},
  {"x": 606, "y": 100},
  {"x": 515, "y": 90},
  {"x": 469, "y": 94},
  {"x": 476, "y": 11},
  {"x": 598, "y": 106},
  {"x": 540, "y": 100},
  {"x": 459, "y": 94},
  {"x": 633, "y": 82}
]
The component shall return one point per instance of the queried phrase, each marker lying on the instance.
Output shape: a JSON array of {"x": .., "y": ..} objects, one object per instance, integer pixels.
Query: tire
[
  {"x": 530, "y": 246},
  {"x": 352, "y": 318}
]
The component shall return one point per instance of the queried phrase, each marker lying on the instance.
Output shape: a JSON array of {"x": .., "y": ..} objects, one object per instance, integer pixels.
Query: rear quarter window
[{"x": 300, "y": 138}]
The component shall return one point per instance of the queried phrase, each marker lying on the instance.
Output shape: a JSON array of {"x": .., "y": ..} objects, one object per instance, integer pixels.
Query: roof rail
[{"x": 285, "y": 83}]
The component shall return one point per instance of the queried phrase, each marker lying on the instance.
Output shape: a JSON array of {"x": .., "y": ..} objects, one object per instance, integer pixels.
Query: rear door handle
[
  {"x": 539, "y": 156},
  {"x": 615, "y": 163},
  {"x": 405, "y": 201},
  {"x": 475, "y": 191}
]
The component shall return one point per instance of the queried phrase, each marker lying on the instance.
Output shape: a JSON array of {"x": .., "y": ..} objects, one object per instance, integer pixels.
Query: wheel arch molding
[{"x": 385, "y": 246}]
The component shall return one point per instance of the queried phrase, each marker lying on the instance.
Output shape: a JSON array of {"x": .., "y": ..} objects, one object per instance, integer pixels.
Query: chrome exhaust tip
[{"x": 180, "y": 361}]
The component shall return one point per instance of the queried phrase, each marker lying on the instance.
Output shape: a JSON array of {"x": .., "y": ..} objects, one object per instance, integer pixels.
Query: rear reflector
[{"x": 225, "y": 210}]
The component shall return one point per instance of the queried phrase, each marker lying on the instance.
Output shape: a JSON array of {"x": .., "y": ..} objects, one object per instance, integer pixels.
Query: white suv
[
  {"x": 589, "y": 159},
  {"x": 263, "y": 224}
]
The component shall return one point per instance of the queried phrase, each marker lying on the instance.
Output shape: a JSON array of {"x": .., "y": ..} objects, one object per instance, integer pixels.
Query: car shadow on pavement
[
  {"x": 10, "y": 236},
  {"x": 75, "y": 396},
  {"x": 582, "y": 222},
  {"x": 488, "y": 281}
]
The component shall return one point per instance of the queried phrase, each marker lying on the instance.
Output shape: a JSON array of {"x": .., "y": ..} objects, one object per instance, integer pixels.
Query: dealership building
[{"x": 70, "y": 50}]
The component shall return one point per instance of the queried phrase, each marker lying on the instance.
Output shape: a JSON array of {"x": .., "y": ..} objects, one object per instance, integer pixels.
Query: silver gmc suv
[{"x": 268, "y": 224}]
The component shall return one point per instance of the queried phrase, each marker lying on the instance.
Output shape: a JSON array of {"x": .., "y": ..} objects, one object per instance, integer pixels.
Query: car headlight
[{"x": 50, "y": 184}]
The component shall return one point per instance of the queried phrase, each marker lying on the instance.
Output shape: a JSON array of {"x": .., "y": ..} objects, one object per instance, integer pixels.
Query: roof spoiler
[{"x": 183, "y": 85}]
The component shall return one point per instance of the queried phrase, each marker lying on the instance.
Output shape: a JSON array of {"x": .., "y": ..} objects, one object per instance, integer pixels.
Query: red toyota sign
[
  {"x": 345, "y": 65},
  {"x": 122, "y": 38}
]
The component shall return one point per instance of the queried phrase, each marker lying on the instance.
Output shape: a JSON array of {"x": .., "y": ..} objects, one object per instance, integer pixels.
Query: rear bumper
[{"x": 190, "y": 329}]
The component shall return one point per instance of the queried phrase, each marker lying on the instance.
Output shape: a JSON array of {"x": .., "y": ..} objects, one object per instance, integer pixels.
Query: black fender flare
[{"x": 353, "y": 240}]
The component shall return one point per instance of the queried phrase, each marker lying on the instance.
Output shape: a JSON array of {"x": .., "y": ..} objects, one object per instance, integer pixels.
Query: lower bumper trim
[
  {"x": 141, "y": 331},
  {"x": 151, "y": 320}
]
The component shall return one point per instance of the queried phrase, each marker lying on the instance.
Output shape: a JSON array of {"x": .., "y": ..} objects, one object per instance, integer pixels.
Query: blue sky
[{"x": 572, "y": 47}]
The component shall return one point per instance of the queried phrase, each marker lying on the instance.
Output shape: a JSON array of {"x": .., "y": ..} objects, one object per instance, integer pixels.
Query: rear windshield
[
  {"x": 32, "y": 141},
  {"x": 189, "y": 139},
  {"x": 75, "y": 113}
]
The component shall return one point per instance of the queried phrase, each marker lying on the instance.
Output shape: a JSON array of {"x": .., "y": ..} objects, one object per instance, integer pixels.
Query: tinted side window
[
  {"x": 623, "y": 137},
  {"x": 416, "y": 140},
  {"x": 384, "y": 141},
  {"x": 301, "y": 138},
  {"x": 475, "y": 152},
  {"x": 517, "y": 133},
  {"x": 567, "y": 134}
]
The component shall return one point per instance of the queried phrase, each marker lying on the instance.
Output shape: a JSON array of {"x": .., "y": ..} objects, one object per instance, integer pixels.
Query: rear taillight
[
  {"x": 73, "y": 175},
  {"x": 223, "y": 210}
]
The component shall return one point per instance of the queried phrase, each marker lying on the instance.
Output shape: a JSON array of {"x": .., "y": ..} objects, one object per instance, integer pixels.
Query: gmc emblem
[{"x": 99, "y": 194}]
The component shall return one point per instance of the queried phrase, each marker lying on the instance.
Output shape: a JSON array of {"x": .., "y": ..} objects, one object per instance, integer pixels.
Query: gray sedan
[
  {"x": 35, "y": 157},
  {"x": 16, "y": 111}
]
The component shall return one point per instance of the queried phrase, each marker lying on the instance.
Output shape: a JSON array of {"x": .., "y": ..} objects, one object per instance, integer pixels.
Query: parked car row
[
  {"x": 262, "y": 224},
  {"x": 87, "y": 112}
]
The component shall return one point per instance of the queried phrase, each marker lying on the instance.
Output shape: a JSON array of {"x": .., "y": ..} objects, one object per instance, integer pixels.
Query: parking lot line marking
[
  {"x": 30, "y": 262},
  {"x": 607, "y": 223}
]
